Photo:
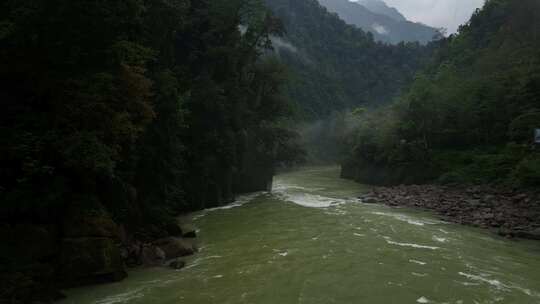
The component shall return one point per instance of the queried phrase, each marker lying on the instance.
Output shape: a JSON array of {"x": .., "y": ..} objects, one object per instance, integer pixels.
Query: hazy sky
[{"x": 437, "y": 13}]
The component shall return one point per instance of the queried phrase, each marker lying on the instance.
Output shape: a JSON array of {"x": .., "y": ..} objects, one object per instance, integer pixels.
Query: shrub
[{"x": 527, "y": 172}]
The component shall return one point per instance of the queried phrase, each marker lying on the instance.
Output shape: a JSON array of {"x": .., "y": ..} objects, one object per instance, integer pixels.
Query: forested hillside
[
  {"x": 124, "y": 114},
  {"x": 469, "y": 116},
  {"x": 385, "y": 24},
  {"x": 334, "y": 66},
  {"x": 119, "y": 115}
]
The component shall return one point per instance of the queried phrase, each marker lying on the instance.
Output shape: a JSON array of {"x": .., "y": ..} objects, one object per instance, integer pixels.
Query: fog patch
[
  {"x": 281, "y": 44},
  {"x": 380, "y": 29},
  {"x": 278, "y": 43},
  {"x": 324, "y": 139},
  {"x": 242, "y": 29}
]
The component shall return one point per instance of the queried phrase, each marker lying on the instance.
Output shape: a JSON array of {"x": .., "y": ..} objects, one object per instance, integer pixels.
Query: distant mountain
[
  {"x": 385, "y": 23},
  {"x": 380, "y": 7},
  {"x": 335, "y": 66}
]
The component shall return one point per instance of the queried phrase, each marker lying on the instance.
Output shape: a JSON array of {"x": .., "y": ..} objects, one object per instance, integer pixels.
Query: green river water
[{"x": 311, "y": 241}]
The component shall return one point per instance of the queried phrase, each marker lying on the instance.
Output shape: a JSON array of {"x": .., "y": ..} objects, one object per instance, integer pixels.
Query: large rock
[
  {"x": 175, "y": 247},
  {"x": 188, "y": 230},
  {"x": 90, "y": 260},
  {"x": 152, "y": 256},
  {"x": 174, "y": 229},
  {"x": 177, "y": 264},
  {"x": 528, "y": 234},
  {"x": 183, "y": 228},
  {"x": 369, "y": 200},
  {"x": 82, "y": 221}
]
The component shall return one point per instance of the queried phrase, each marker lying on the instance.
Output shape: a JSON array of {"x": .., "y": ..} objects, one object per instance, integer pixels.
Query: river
[{"x": 310, "y": 241}]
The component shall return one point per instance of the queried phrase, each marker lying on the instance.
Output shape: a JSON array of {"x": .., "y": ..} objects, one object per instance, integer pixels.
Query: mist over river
[{"x": 311, "y": 241}]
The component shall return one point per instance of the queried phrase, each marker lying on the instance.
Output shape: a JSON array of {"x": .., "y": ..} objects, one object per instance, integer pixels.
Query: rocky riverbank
[
  {"x": 166, "y": 251},
  {"x": 88, "y": 248},
  {"x": 507, "y": 212}
]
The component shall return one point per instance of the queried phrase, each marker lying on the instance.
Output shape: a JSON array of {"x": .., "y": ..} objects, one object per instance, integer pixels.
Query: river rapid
[{"x": 310, "y": 241}]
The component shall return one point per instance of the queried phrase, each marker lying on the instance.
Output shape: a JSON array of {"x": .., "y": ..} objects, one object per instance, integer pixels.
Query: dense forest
[
  {"x": 335, "y": 66},
  {"x": 124, "y": 114},
  {"x": 469, "y": 116},
  {"x": 119, "y": 115}
]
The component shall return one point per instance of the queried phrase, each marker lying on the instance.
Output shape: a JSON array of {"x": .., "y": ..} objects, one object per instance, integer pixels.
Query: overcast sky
[{"x": 437, "y": 13}]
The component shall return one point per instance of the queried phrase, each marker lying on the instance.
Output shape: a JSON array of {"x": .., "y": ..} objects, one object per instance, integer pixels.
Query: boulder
[
  {"x": 132, "y": 254},
  {"x": 152, "y": 255},
  {"x": 174, "y": 247},
  {"x": 473, "y": 202},
  {"x": 174, "y": 229},
  {"x": 528, "y": 234},
  {"x": 177, "y": 264},
  {"x": 89, "y": 219},
  {"x": 90, "y": 260},
  {"x": 488, "y": 216},
  {"x": 369, "y": 200},
  {"x": 188, "y": 231}
]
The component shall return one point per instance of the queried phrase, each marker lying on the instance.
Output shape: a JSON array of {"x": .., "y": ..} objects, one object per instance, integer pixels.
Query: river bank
[
  {"x": 507, "y": 212},
  {"x": 310, "y": 241}
]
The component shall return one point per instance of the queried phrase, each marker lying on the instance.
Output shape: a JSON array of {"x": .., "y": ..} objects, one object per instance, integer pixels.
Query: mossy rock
[
  {"x": 90, "y": 260},
  {"x": 176, "y": 247},
  {"x": 188, "y": 229},
  {"x": 88, "y": 218}
]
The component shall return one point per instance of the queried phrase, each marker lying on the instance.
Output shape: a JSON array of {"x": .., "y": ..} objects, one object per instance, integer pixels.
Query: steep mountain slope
[
  {"x": 377, "y": 20},
  {"x": 334, "y": 65},
  {"x": 381, "y": 8}
]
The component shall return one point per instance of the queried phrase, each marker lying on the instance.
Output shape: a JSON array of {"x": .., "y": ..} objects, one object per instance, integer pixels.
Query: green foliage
[
  {"x": 527, "y": 172},
  {"x": 335, "y": 66},
  {"x": 142, "y": 103},
  {"x": 479, "y": 165},
  {"x": 480, "y": 90}
]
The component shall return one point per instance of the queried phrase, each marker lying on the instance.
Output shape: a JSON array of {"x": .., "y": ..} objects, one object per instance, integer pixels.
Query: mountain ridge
[
  {"x": 381, "y": 8},
  {"x": 381, "y": 21}
]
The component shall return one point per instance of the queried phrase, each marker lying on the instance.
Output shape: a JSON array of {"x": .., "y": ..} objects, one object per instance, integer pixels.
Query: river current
[{"x": 310, "y": 241}]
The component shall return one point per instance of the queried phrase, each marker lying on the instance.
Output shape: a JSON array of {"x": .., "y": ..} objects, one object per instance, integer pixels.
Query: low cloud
[
  {"x": 379, "y": 29},
  {"x": 280, "y": 44}
]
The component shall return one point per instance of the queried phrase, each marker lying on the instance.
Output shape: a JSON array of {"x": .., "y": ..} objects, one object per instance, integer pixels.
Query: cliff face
[
  {"x": 43, "y": 256},
  {"x": 256, "y": 171},
  {"x": 217, "y": 182},
  {"x": 90, "y": 239}
]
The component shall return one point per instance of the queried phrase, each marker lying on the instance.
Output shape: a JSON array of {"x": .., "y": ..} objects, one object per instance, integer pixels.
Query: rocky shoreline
[
  {"x": 507, "y": 212},
  {"x": 89, "y": 248},
  {"x": 166, "y": 251}
]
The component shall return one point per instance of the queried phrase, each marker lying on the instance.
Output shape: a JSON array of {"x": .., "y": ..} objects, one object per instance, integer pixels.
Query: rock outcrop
[
  {"x": 89, "y": 260},
  {"x": 174, "y": 247},
  {"x": 84, "y": 246},
  {"x": 90, "y": 246}
]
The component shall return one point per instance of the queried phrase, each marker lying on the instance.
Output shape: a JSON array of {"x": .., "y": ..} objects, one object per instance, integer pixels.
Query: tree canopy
[{"x": 469, "y": 115}]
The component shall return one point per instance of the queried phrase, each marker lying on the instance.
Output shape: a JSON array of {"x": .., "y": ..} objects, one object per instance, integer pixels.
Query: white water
[{"x": 311, "y": 241}]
